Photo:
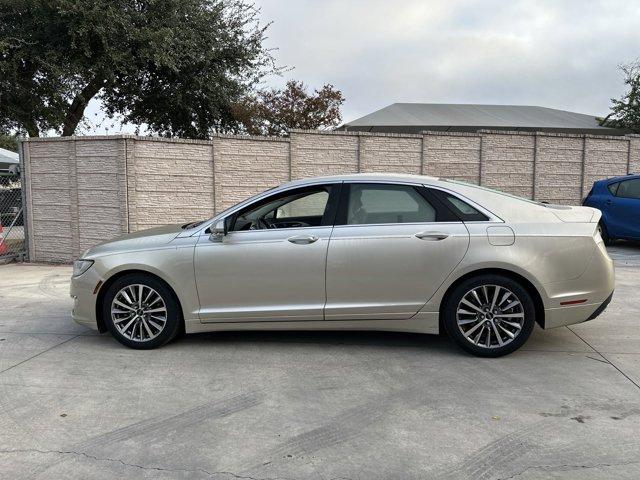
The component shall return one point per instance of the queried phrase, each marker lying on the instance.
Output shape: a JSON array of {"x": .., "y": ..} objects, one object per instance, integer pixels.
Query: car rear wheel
[
  {"x": 140, "y": 311},
  {"x": 489, "y": 315}
]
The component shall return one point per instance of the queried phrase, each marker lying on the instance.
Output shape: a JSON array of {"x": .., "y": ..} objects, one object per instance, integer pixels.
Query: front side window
[
  {"x": 380, "y": 203},
  {"x": 300, "y": 208},
  {"x": 629, "y": 189},
  {"x": 311, "y": 205}
]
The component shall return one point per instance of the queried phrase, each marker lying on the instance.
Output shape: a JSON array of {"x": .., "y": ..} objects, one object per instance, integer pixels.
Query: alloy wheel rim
[
  {"x": 490, "y": 316},
  {"x": 139, "y": 312}
]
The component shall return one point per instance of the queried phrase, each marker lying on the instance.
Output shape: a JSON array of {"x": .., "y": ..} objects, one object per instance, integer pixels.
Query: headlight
[{"x": 81, "y": 266}]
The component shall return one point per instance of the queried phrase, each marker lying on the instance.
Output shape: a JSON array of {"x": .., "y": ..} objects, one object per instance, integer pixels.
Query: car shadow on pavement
[
  {"x": 625, "y": 253},
  {"x": 439, "y": 343}
]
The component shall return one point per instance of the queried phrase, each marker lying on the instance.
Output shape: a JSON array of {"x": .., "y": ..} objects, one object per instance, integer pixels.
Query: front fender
[{"x": 173, "y": 264}]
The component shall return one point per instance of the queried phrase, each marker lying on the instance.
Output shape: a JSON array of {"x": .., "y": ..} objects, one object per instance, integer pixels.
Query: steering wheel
[{"x": 260, "y": 224}]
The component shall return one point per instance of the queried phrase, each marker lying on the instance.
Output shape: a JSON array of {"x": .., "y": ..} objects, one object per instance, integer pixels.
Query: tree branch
[
  {"x": 80, "y": 102},
  {"x": 31, "y": 127}
]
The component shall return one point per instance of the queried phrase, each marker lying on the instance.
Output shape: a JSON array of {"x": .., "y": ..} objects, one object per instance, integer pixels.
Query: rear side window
[
  {"x": 629, "y": 189},
  {"x": 613, "y": 188},
  {"x": 379, "y": 203}
]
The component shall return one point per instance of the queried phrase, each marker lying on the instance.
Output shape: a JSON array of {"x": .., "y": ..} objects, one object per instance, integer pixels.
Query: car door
[
  {"x": 270, "y": 266},
  {"x": 390, "y": 250},
  {"x": 623, "y": 209}
]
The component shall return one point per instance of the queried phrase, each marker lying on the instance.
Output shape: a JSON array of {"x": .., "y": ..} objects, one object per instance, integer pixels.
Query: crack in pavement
[
  {"x": 567, "y": 466},
  {"x": 141, "y": 467},
  {"x": 38, "y": 354},
  {"x": 604, "y": 358},
  {"x": 599, "y": 360}
]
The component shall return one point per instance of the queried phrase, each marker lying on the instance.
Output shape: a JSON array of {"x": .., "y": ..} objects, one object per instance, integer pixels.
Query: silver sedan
[{"x": 355, "y": 252}]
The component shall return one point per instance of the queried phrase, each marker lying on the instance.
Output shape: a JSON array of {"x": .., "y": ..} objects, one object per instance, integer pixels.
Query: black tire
[
  {"x": 604, "y": 233},
  {"x": 525, "y": 308},
  {"x": 173, "y": 321}
]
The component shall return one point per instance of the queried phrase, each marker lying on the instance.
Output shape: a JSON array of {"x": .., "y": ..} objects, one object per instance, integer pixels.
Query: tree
[
  {"x": 625, "y": 112},
  {"x": 176, "y": 66},
  {"x": 9, "y": 142},
  {"x": 275, "y": 112}
]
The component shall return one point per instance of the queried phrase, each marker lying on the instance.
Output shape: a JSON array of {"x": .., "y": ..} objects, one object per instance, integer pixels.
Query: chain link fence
[{"x": 12, "y": 231}]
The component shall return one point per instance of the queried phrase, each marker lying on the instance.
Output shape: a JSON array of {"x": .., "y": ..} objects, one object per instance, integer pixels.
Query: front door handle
[
  {"x": 432, "y": 236},
  {"x": 302, "y": 239}
]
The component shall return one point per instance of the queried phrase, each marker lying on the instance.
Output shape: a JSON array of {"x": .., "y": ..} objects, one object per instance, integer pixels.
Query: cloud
[
  {"x": 560, "y": 54},
  {"x": 557, "y": 54}
]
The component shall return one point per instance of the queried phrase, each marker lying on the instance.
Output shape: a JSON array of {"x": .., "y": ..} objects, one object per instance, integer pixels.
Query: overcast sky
[{"x": 559, "y": 54}]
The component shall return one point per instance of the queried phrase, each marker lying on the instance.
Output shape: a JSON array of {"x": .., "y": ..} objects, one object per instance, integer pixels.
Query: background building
[
  {"x": 448, "y": 117},
  {"x": 9, "y": 162}
]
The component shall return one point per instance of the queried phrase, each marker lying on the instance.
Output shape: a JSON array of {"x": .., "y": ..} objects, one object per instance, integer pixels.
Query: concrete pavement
[{"x": 291, "y": 405}]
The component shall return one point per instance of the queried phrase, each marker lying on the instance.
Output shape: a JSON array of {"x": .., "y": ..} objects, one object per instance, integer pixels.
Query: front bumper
[{"x": 84, "y": 300}]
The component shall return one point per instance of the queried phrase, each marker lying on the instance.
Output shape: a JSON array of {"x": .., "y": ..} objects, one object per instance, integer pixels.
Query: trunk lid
[{"x": 575, "y": 214}]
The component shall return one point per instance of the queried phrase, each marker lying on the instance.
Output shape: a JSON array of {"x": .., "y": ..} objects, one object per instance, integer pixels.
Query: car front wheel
[
  {"x": 140, "y": 311},
  {"x": 489, "y": 315}
]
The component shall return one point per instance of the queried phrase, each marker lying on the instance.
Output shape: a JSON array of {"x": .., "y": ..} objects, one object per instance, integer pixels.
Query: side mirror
[{"x": 218, "y": 230}]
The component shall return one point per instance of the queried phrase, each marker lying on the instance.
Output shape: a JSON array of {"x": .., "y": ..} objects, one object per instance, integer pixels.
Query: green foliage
[
  {"x": 275, "y": 112},
  {"x": 175, "y": 66},
  {"x": 9, "y": 142},
  {"x": 625, "y": 112}
]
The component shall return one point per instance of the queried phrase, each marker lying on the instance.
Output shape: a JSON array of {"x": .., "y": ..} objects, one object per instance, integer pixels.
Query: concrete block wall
[
  {"x": 558, "y": 166},
  {"x": 391, "y": 154},
  {"x": 452, "y": 155},
  {"x": 76, "y": 195},
  {"x": 316, "y": 153},
  {"x": 604, "y": 157},
  {"x": 84, "y": 190},
  {"x": 169, "y": 180},
  {"x": 634, "y": 154},
  {"x": 507, "y": 163},
  {"x": 245, "y": 166}
]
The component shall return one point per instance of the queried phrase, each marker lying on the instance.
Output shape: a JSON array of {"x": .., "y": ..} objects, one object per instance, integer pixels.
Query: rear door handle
[
  {"x": 608, "y": 202},
  {"x": 302, "y": 239},
  {"x": 432, "y": 236}
]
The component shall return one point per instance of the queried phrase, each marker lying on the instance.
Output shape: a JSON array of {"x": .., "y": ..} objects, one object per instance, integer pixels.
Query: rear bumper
[
  {"x": 570, "y": 315},
  {"x": 601, "y": 308},
  {"x": 596, "y": 285}
]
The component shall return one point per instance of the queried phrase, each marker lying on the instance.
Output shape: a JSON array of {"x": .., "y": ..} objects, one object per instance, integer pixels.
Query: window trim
[
  {"x": 203, "y": 229},
  {"x": 343, "y": 205},
  {"x": 613, "y": 192}
]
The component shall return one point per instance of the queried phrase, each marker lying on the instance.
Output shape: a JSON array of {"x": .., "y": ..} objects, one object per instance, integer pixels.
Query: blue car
[{"x": 619, "y": 200}]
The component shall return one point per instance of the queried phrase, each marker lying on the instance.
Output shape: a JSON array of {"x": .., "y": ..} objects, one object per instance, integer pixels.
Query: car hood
[{"x": 140, "y": 240}]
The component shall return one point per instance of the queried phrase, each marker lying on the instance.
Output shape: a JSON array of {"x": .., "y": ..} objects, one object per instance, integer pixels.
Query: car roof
[
  {"x": 630, "y": 176},
  {"x": 391, "y": 177}
]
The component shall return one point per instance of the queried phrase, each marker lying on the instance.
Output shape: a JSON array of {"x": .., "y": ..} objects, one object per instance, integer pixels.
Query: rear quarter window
[
  {"x": 462, "y": 209},
  {"x": 613, "y": 188}
]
